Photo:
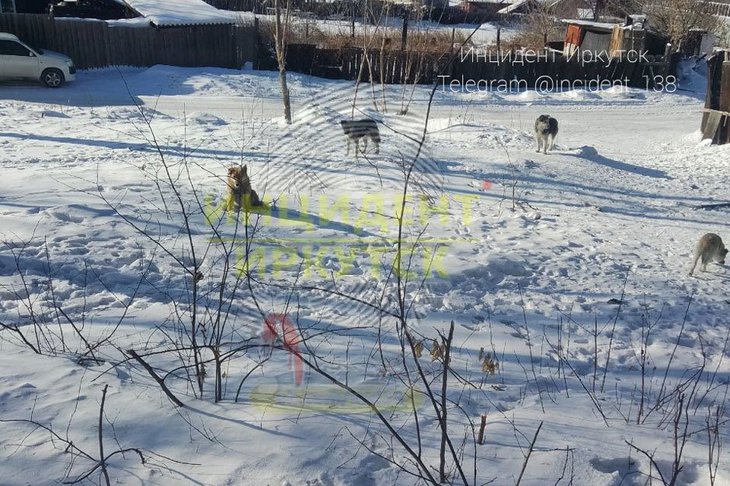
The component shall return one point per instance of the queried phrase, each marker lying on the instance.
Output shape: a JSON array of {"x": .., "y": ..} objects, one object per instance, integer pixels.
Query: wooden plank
[
  {"x": 710, "y": 126},
  {"x": 724, "y": 95},
  {"x": 723, "y": 135}
]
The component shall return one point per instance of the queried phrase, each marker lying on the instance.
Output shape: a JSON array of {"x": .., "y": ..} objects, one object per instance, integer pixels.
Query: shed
[
  {"x": 611, "y": 37},
  {"x": 175, "y": 13}
]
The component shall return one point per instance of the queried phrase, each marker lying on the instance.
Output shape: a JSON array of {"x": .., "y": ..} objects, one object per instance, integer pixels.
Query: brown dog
[{"x": 240, "y": 192}]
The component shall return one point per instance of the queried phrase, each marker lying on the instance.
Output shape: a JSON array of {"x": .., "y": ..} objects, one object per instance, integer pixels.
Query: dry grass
[{"x": 538, "y": 26}]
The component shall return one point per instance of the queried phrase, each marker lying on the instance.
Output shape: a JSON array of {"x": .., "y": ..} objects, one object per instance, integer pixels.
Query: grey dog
[
  {"x": 546, "y": 129},
  {"x": 356, "y": 129}
]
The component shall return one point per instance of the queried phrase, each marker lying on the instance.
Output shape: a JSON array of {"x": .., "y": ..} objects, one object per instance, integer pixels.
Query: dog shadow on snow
[
  {"x": 587, "y": 152},
  {"x": 291, "y": 217}
]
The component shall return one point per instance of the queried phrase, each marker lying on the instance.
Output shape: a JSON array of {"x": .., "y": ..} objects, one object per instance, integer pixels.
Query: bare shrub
[
  {"x": 427, "y": 41},
  {"x": 673, "y": 18},
  {"x": 539, "y": 27}
]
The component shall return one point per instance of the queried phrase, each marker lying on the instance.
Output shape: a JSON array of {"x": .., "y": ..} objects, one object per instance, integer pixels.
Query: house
[{"x": 612, "y": 38}]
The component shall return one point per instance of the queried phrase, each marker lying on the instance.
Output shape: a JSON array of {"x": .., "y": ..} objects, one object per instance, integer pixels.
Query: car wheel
[{"x": 53, "y": 78}]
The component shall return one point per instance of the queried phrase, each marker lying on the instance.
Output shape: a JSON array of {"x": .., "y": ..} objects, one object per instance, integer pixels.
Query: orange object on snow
[{"x": 280, "y": 326}]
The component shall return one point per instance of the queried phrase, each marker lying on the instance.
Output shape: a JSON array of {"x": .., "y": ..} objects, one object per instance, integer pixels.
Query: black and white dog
[
  {"x": 366, "y": 128},
  {"x": 546, "y": 129}
]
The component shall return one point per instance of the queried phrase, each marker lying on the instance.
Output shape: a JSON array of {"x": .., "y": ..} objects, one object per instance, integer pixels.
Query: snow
[
  {"x": 594, "y": 24},
  {"x": 180, "y": 12},
  {"x": 613, "y": 214},
  {"x": 140, "y": 22}
]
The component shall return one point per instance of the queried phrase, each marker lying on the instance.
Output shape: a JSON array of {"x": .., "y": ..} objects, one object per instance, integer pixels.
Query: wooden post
[
  {"x": 723, "y": 134},
  {"x": 482, "y": 426},
  {"x": 257, "y": 44},
  {"x": 352, "y": 18}
]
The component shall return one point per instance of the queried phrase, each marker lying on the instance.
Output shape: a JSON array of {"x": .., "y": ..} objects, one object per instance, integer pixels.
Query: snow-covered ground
[{"x": 569, "y": 268}]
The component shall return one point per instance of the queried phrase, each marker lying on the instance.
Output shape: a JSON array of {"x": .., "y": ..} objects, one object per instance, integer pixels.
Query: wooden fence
[
  {"x": 716, "y": 118},
  {"x": 512, "y": 71},
  {"x": 96, "y": 44},
  {"x": 721, "y": 9}
]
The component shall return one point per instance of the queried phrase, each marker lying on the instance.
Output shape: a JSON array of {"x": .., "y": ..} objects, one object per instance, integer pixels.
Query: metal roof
[{"x": 593, "y": 25}]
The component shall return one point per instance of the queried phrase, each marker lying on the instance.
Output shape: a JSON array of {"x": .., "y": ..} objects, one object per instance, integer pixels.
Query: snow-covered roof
[
  {"x": 511, "y": 8},
  {"x": 518, "y": 3},
  {"x": 591, "y": 24},
  {"x": 499, "y": 2},
  {"x": 165, "y": 13}
]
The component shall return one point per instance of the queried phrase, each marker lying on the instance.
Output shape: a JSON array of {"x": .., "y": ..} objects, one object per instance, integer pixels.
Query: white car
[{"x": 18, "y": 60}]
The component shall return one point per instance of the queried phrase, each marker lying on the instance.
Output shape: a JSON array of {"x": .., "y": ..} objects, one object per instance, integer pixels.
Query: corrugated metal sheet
[{"x": 596, "y": 42}]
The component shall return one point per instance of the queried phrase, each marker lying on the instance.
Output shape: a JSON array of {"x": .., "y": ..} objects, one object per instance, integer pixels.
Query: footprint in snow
[{"x": 66, "y": 217}]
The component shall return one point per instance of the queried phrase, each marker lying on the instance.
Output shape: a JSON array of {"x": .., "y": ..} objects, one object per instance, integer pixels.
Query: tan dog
[
  {"x": 709, "y": 248},
  {"x": 240, "y": 193}
]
